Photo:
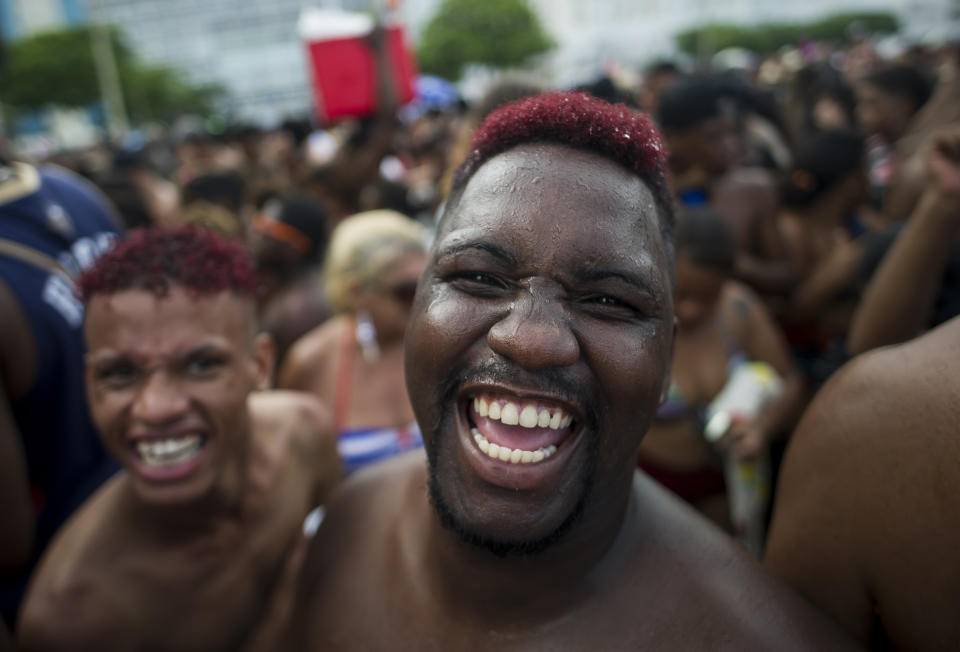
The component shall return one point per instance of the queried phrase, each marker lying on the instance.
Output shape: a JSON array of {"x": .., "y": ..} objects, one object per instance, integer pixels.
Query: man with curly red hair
[
  {"x": 538, "y": 350},
  {"x": 186, "y": 548}
]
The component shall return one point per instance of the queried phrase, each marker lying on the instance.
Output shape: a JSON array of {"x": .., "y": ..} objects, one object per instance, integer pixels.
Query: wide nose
[
  {"x": 535, "y": 333},
  {"x": 160, "y": 400}
]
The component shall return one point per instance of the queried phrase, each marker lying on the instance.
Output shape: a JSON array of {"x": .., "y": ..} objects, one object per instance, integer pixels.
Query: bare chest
[{"x": 205, "y": 597}]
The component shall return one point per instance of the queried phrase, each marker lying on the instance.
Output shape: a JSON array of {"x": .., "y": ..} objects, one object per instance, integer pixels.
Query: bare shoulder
[
  {"x": 311, "y": 353},
  {"x": 743, "y": 310},
  {"x": 864, "y": 524},
  {"x": 358, "y": 520},
  {"x": 870, "y": 406},
  {"x": 70, "y": 604},
  {"x": 297, "y": 416},
  {"x": 374, "y": 496},
  {"x": 295, "y": 430},
  {"x": 740, "y": 299},
  {"x": 80, "y": 614},
  {"x": 728, "y": 600}
]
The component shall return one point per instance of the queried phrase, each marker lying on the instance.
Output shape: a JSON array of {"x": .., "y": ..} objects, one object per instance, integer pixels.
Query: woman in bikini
[
  {"x": 720, "y": 324},
  {"x": 354, "y": 361}
]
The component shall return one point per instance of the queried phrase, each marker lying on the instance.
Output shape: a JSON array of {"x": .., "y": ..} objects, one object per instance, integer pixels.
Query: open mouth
[
  {"x": 164, "y": 453},
  {"x": 168, "y": 458},
  {"x": 518, "y": 431}
]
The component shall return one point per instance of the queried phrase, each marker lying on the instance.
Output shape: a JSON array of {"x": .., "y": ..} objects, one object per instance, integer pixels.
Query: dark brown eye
[
  {"x": 204, "y": 365},
  {"x": 117, "y": 373}
]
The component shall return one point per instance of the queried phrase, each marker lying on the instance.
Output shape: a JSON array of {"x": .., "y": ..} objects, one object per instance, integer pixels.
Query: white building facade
[{"x": 251, "y": 46}]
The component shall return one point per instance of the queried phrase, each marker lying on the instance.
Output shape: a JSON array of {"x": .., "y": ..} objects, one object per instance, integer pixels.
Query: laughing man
[
  {"x": 185, "y": 549},
  {"x": 537, "y": 353}
]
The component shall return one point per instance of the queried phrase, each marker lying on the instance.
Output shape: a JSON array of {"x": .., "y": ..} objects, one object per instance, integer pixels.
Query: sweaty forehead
[
  {"x": 597, "y": 183},
  {"x": 543, "y": 190}
]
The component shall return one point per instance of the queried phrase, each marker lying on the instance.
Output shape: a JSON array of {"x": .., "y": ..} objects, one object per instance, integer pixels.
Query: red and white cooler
[{"x": 342, "y": 65}]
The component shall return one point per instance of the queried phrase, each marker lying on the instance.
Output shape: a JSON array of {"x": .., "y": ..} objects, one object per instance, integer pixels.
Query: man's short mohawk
[
  {"x": 153, "y": 259},
  {"x": 577, "y": 120}
]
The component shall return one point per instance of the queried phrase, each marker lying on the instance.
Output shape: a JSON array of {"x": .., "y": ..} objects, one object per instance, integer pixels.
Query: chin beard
[
  {"x": 451, "y": 521},
  {"x": 501, "y": 547}
]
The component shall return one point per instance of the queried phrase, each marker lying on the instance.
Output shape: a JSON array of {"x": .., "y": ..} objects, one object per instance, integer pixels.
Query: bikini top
[
  {"x": 360, "y": 446},
  {"x": 676, "y": 406}
]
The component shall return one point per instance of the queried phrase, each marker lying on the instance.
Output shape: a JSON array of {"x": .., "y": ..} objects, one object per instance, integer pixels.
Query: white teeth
[
  {"x": 555, "y": 421},
  {"x": 168, "y": 452},
  {"x": 509, "y": 415},
  {"x": 528, "y": 416},
  {"x": 513, "y": 456}
]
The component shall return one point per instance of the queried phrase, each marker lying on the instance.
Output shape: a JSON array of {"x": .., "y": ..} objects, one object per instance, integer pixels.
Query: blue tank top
[{"x": 60, "y": 215}]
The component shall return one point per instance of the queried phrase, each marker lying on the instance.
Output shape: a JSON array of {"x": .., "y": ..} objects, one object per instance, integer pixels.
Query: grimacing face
[
  {"x": 167, "y": 382},
  {"x": 540, "y": 344}
]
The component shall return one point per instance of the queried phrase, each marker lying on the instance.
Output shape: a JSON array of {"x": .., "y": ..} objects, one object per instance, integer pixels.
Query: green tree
[
  {"x": 769, "y": 37},
  {"x": 498, "y": 33},
  {"x": 57, "y": 69},
  {"x": 162, "y": 93},
  {"x": 52, "y": 68}
]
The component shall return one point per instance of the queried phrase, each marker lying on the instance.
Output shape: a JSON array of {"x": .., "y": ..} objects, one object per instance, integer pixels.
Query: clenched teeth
[
  {"x": 168, "y": 452},
  {"x": 526, "y": 416},
  {"x": 514, "y": 456}
]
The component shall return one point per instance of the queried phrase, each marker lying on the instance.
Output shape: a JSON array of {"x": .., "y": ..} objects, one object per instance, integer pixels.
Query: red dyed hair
[
  {"x": 197, "y": 259},
  {"x": 580, "y": 121}
]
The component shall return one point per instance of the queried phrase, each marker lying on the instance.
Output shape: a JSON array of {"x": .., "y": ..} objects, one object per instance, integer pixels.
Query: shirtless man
[
  {"x": 182, "y": 550},
  {"x": 538, "y": 350},
  {"x": 865, "y": 524}
]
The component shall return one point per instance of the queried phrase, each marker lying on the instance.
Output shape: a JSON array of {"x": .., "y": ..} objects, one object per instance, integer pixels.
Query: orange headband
[{"x": 283, "y": 232}]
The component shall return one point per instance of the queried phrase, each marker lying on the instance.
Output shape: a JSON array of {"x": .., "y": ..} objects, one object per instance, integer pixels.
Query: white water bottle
[{"x": 749, "y": 388}]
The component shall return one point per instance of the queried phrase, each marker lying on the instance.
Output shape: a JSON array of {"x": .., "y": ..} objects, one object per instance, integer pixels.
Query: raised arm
[
  {"x": 353, "y": 167},
  {"x": 899, "y": 299}
]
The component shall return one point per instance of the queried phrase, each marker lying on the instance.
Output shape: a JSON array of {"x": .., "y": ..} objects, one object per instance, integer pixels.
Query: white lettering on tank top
[{"x": 59, "y": 294}]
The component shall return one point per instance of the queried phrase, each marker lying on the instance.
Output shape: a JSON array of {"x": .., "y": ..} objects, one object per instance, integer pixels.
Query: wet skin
[{"x": 548, "y": 285}]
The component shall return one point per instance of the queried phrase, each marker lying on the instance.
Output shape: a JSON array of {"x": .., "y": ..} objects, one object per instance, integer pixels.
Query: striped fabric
[{"x": 362, "y": 446}]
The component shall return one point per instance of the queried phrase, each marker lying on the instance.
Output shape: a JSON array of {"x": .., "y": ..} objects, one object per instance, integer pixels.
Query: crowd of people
[{"x": 516, "y": 374}]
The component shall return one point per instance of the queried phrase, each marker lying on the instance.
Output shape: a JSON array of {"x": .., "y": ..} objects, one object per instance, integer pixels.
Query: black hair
[
  {"x": 500, "y": 94},
  {"x": 661, "y": 67},
  {"x": 227, "y": 189},
  {"x": 903, "y": 81},
  {"x": 306, "y": 215},
  {"x": 704, "y": 238},
  {"x": 825, "y": 159},
  {"x": 604, "y": 89},
  {"x": 693, "y": 101},
  {"x": 128, "y": 199}
]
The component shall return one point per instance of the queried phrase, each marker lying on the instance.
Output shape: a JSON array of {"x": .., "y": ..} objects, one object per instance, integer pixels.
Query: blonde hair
[{"x": 362, "y": 247}]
